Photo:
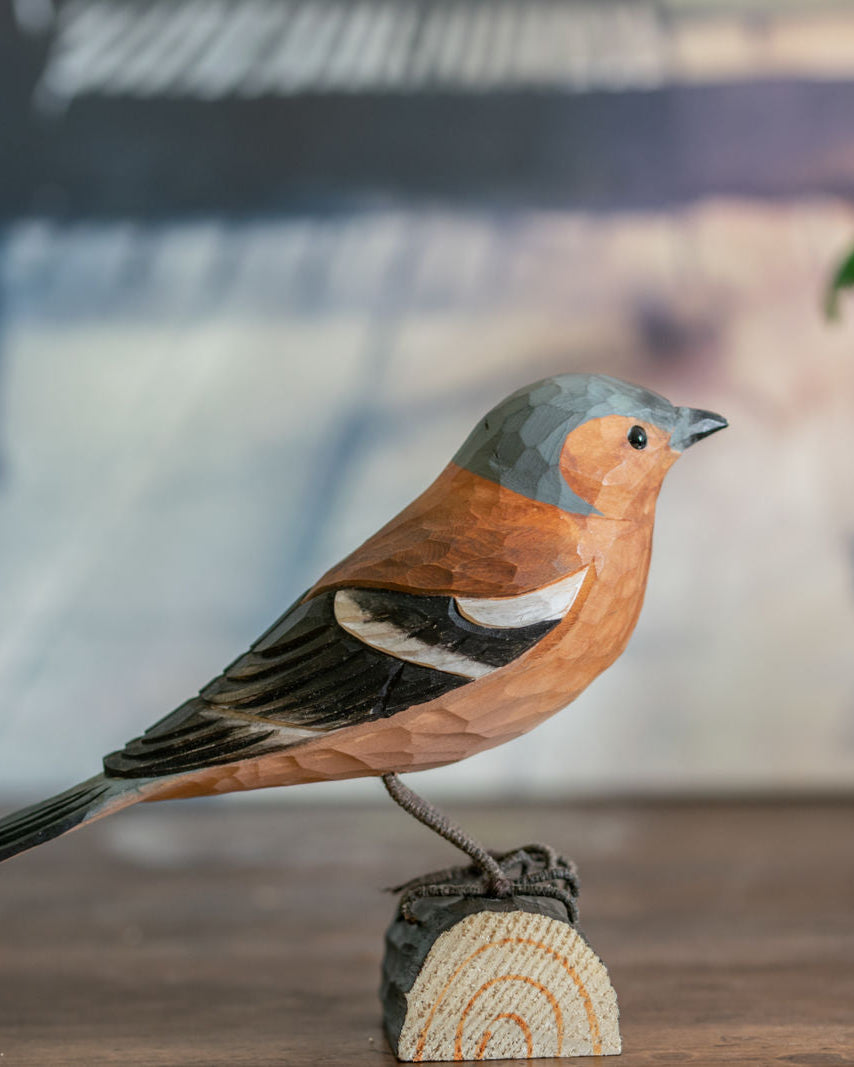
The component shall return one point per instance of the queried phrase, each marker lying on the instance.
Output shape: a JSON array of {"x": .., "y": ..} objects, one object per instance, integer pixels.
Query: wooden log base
[{"x": 481, "y": 978}]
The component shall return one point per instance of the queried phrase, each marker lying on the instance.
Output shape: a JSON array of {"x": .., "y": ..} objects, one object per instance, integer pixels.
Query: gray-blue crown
[{"x": 519, "y": 443}]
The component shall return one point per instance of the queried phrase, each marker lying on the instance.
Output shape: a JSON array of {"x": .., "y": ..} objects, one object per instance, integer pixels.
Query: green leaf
[{"x": 843, "y": 278}]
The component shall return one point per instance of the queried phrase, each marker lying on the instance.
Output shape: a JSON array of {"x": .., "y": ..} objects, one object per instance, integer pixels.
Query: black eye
[{"x": 637, "y": 437}]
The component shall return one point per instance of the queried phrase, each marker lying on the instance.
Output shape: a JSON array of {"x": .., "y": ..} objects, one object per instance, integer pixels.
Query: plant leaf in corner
[{"x": 843, "y": 278}]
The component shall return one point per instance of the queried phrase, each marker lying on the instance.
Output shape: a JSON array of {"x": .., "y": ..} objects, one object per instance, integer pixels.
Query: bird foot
[{"x": 532, "y": 871}]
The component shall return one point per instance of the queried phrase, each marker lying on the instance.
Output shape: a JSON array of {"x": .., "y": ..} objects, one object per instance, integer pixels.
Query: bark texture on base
[{"x": 479, "y": 979}]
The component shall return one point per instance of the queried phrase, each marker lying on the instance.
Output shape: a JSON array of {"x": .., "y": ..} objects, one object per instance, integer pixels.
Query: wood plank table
[{"x": 217, "y": 933}]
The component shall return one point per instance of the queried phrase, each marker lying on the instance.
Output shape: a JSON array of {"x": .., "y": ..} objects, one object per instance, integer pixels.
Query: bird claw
[{"x": 534, "y": 871}]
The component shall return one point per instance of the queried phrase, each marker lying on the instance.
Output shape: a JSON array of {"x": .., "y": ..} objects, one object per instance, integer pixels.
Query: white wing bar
[
  {"x": 386, "y": 637},
  {"x": 541, "y": 605}
]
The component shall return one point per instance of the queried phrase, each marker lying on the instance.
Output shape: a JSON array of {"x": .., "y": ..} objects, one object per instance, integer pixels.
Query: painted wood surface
[{"x": 376, "y": 670}]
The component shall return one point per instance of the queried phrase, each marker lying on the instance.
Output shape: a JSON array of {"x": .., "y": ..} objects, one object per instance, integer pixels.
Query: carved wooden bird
[{"x": 484, "y": 607}]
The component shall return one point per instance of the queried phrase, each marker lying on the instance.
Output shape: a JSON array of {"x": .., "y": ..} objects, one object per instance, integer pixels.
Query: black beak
[{"x": 693, "y": 425}]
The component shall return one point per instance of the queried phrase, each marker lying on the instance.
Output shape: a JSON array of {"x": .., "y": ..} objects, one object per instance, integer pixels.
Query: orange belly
[{"x": 494, "y": 709}]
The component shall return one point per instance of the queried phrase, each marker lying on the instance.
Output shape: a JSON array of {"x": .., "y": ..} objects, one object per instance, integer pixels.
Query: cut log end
[{"x": 481, "y": 979}]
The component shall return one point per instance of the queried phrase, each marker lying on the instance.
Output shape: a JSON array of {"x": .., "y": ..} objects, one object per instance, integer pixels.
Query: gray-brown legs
[
  {"x": 531, "y": 870},
  {"x": 497, "y": 882}
]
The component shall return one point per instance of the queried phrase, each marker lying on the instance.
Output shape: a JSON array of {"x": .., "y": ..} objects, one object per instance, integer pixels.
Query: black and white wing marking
[{"x": 341, "y": 658}]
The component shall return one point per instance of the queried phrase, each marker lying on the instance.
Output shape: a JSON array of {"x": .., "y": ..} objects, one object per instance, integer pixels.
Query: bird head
[{"x": 586, "y": 443}]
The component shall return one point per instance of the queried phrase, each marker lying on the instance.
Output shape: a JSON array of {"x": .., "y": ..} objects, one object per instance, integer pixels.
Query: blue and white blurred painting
[{"x": 264, "y": 263}]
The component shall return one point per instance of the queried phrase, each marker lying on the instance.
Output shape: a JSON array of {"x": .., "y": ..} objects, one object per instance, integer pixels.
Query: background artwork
[{"x": 250, "y": 307}]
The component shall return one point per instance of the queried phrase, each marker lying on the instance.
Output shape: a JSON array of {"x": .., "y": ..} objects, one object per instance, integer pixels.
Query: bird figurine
[{"x": 484, "y": 607}]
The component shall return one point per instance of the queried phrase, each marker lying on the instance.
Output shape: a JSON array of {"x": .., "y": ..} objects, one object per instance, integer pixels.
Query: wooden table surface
[{"x": 214, "y": 933}]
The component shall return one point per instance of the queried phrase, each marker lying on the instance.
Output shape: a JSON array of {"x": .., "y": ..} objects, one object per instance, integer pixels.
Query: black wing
[{"x": 338, "y": 659}]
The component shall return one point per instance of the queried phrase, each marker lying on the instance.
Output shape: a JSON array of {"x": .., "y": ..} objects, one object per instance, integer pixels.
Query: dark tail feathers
[{"x": 39, "y": 823}]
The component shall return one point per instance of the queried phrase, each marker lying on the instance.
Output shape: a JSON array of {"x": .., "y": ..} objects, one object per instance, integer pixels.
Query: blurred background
[{"x": 263, "y": 263}]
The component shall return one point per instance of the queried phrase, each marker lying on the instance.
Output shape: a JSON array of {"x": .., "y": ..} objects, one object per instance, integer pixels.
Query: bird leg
[
  {"x": 498, "y": 884},
  {"x": 539, "y": 866}
]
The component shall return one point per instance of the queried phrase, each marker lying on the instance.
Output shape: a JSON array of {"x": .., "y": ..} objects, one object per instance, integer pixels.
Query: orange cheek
[
  {"x": 586, "y": 459},
  {"x": 598, "y": 463}
]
